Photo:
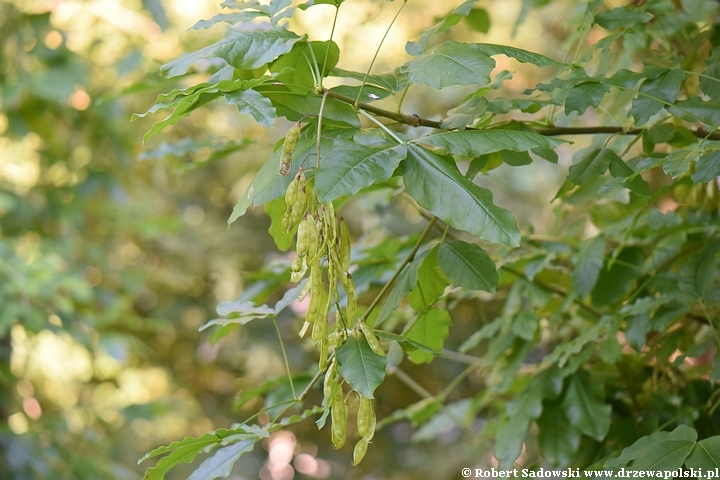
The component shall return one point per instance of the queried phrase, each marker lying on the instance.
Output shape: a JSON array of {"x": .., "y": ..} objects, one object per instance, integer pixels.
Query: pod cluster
[{"x": 323, "y": 250}]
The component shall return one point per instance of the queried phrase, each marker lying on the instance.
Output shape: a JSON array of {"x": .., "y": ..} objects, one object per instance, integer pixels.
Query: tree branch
[{"x": 416, "y": 121}]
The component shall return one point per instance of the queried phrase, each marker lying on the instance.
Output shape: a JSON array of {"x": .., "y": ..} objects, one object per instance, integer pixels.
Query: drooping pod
[
  {"x": 291, "y": 140},
  {"x": 360, "y": 450},
  {"x": 344, "y": 247},
  {"x": 372, "y": 339},
  {"x": 339, "y": 414}
]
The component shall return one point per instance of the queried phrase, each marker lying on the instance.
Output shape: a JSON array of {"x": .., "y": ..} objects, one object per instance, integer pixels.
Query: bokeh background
[{"x": 114, "y": 253}]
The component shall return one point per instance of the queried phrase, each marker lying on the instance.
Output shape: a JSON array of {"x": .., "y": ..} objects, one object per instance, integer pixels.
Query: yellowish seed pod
[
  {"x": 372, "y": 339},
  {"x": 320, "y": 327},
  {"x": 339, "y": 414},
  {"x": 303, "y": 238},
  {"x": 292, "y": 190},
  {"x": 323, "y": 362},
  {"x": 360, "y": 450},
  {"x": 344, "y": 247},
  {"x": 330, "y": 382},
  {"x": 351, "y": 308},
  {"x": 313, "y": 237},
  {"x": 365, "y": 411},
  {"x": 291, "y": 138}
]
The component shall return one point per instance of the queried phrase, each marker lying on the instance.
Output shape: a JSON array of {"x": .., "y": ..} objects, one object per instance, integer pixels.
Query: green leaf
[
  {"x": 613, "y": 283},
  {"x": 584, "y": 95},
  {"x": 705, "y": 455},
  {"x": 588, "y": 263},
  {"x": 252, "y": 103},
  {"x": 467, "y": 265},
  {"x": 275, "y": 209},
  {"x": 451, "y": 63},
  {"x": 643, "y": 444},
  {"x": 430, "y": 329},
  {"x": 695, "y": 109},
  {"x": 349, "y": 167},
  {"x": 622, "y": 17},
  {"x": 515, "y": 159},
  {"x": 437, "y": 184},
  {"x": 710, "y": 81},
  {"x": 707, "y": 167},
  {"x": 295, "y": 107},
  {"x": 393, "y": 81},
  {"x": 232, "y": 18},
  {"x": 520, "y": 55},
  {"x": 668, "y": 455},
  {"x": 310, "y": 3},
  {"x": 699, "y": 274},
  {"x": 362, "y": 368},
  {"x": 557, "y": 439},
  {"x": 475, "y": 143},
  {"x": 407, "y": 343},
  {"x": 655, "y": 93},
  {"x": 592, "y": 165},
  {"x": 679, "y": 161},
  {"x": 525, "y": 324},
  {"x": 585, "y": 410},
  {"x": 300, "y": 60},
  {"x": 479, "y": 20},
  {"x": 242, "y": 50},
  {"x": 431, "y": 283},
  {"x": 220, "y": 464}
]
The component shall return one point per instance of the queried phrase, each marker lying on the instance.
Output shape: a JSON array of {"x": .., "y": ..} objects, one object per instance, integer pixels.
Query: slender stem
[
  {"x": 709, "y": 319},
  {"x": 397, "y": 272},
  {"x": 416, "y": 121},
  {"x": 402, "y": 99},
  {"x": 355, "y": 104},
  {"x": 327, "y": 50},
  {"x": 287, "y": 364},
  {"x": 319, "y": 129},
  {"x": 381, "y": 125}
]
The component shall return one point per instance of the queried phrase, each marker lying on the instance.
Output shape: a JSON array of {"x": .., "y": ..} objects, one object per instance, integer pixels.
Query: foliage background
[{"x": 114, "y": 253}]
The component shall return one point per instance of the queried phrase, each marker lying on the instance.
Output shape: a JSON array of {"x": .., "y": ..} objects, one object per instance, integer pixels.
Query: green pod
[
  {"x": 291, "y": 139},
  {"x": 351, "y": 308},
  {"x": 372, "y": 339},
  {"x": 344, "y": 247},
  {"x": 360, "y": 450},
  {"x": 313, "y": 237},
  {"x": 365, "y": 410},
  {"x": 303, "y": 238}
]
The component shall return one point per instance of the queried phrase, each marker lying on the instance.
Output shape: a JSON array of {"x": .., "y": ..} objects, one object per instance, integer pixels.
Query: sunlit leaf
[
  {"x": 451, "y": 63},
  {"x": 437, "y": 184}
]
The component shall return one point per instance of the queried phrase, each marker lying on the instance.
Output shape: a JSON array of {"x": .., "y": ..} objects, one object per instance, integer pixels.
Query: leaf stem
[
  {"x": 381, "y": 125},
  {"x": 319, "y": 129},
  {"x": 287, "y": 364},
  {"x": 400, "y": 268},
  {"x": 367, "y": 74},
  {"x": 417, "y": 121}
]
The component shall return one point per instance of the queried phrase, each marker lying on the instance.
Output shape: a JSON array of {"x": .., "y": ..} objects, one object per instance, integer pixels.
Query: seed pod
[
  {"x": 313, "y": 237},
  {"x": 330, "y": 222},
  {"x": 330, "y": 382},
  {"x": 299, "y": 207},
  {"x": 320, "y": 327},
  {"x": 361, "y": 448},
  {"x": 303, "y": 238},
  {"x": 305, "y": 290},
  {"x": 351, "y": 307},
  {"x": 372, "y": 340},
  {"x": 323, "y": 362},
  {"x": 365, "y": 411},
  {"x": 339, "y": 413},
  {"x": 304, "y": 329},
  {"x": 285, "y": 164},
  {"x": 291, "y": 138},
  {"x": 298, "y": 269},
  {"x": 292, "y": 190},
  {"x": 344, "y": 247},
  {"x": 285, "y": 224}
]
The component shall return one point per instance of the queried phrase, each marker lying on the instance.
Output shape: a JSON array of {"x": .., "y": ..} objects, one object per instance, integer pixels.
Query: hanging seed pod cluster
[{"x": 323, "y": 250}]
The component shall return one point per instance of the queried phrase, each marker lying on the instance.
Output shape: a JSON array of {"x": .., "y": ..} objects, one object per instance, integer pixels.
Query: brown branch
[{"x": 416, "y": 121}]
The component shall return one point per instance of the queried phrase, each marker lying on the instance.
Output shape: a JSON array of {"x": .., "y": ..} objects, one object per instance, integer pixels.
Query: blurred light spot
[
  {"x": 143, "y": 386},
  {"x": 55, "y": 320},
  {"x": 192, "y": 317},
  {"x": 194, "y": 215},
  {"x": 92, "y": 276},
  {"x": 18, "y": 423},
  {"x": 61, "y": 358},
  {"x": 80, "y": 100},
  {"x": 58, "y": 175},
  {"x": 130, "y": 253},
  {"x": 80, "y": 156},
  {"x": 306, "y": 464},
  {"x": 282, "y": 447},
  {"x": 20, "y": 162},
  {"x": 32, "y": 408},
  {"x": 141, "y": 427},
  {"x": 30, "y": 44},
  {"x": 25, "y": 387},
  {"x": 53, "y": 39}
]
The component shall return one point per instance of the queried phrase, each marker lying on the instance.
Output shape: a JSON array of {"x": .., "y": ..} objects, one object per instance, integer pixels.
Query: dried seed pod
[{"x": 344, "y": 247}]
